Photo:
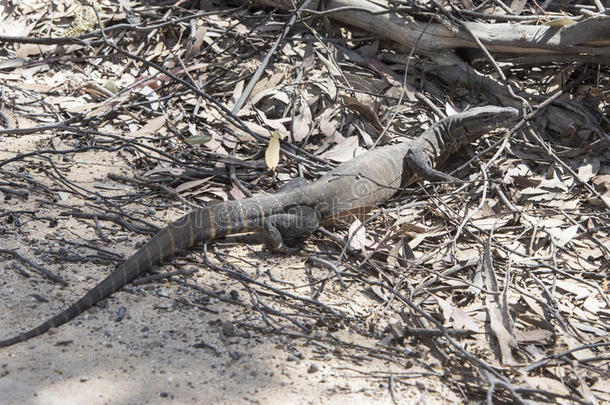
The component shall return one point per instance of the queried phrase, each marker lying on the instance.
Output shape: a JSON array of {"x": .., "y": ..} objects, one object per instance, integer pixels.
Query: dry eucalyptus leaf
[
  {"x": 197, "y": 40},
  {"x": 191, "y": 184},
  {"x": 394, "y": 255},
  {"x": 330, "y": 66},
  {"x": 587, "y": 170},
  {"x": 450, "y": 110},
  {"x": 560, "y": 22},
  {"x": 534, "y": 305},
  {"x": 574, "y": 287},
  {"x": 272, "y": 154},
  {"x": 540, "y": 336},
  {"x": 602, "y": 385},
  {"x": 554, "y": 183},
  {"x": 563, "y": 236},
  {"x": 198, "y": 139},
  {"x": 357, "y": 235},
  {"x": 237, "y": 91},
  {"x": 602, "y": 181},
  {"x": 366, "y": 111},
  {"x": 486, "y": 218},
  {"x": 329, "y": 128},
  {"x": 547, "y": 384},
  {"x": 461, "y": 320},
  {"x": 344, "y": 151},
  {"x": 152, "y": 126},
  {"x": 276, "y": 124},
  {"x": 446, "y": 309},
  {"x": 406, "y": 226},
  {"x": 517, "y": 6},
  {"x": 236, "y": 193},
  {"x": 302, "y": 122},
  {"x": 331, "y": 89}
]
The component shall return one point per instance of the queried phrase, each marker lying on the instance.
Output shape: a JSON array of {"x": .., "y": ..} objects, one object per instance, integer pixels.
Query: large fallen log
[{"x": 589, "y": 36}]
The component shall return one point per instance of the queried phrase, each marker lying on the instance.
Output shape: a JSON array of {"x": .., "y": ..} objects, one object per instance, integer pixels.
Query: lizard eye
[{"x": 485, "y": 116}]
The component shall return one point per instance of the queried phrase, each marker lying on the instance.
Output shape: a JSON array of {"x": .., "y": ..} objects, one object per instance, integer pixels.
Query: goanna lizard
[{"x": 367, "y": 180}]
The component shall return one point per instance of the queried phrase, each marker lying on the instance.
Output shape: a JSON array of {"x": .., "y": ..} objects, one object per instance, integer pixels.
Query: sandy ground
[{"x": 162, "y": 351}]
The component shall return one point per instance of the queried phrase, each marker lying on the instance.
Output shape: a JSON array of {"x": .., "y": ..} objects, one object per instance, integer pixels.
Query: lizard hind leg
[
  {"x": 285, "y": 232},
  {"x": 292, "y": 184}
]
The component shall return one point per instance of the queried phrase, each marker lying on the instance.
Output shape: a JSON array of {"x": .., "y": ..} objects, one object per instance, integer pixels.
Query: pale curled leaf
[
  {"x": 272, "y": 154},
  {"x": 267, "y": 83},
  {"x": 588, "y": 328},
  {"x": 457, "y": 317},
  {"x": 302, "y": 122},
  {"x": 329, "y": 127},
  {"x": 593, "y": 304},
  {"x": 330, "y": 66},
  {"x": 602, "y": 385},
  {"x": 274, "y": 124},
  {"x": 534, "y": 306},
  {"x": 152, "y": 126},
  {"x": 602, "y": 181},
  {"x": 554, "y": 183},
  {"x": 274, "y": 93},
  {"x": 357, "y": 235},
  {"x": 587, "y": 170}
]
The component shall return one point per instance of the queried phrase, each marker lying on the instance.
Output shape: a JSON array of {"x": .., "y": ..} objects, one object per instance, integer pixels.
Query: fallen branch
[{"x": 590, "y": 36}]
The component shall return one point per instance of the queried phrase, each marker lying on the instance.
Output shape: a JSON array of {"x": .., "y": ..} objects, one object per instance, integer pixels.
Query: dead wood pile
[{"x": 493, "y": 289}]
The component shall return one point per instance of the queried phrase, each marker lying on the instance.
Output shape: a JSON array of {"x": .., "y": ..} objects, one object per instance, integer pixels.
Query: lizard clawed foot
[{"x": 294, "y": 225}]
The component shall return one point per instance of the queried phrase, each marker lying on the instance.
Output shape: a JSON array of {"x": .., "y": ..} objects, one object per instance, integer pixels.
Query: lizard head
[{"x": 480, "y": 120}]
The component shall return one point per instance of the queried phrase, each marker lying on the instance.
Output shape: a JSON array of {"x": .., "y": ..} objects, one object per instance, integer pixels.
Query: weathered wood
[{"x": 590, "y": 36}]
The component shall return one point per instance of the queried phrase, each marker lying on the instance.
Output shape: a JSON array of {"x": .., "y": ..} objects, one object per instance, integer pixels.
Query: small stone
[{"x": 228, "y": 329}]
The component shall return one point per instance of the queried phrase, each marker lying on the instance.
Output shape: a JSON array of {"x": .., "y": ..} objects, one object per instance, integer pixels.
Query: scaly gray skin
[{"x": 294, "y": 212}]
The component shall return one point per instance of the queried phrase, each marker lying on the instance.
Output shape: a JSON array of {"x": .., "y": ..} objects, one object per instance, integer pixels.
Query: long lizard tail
[{"x": 185, "y": 232}]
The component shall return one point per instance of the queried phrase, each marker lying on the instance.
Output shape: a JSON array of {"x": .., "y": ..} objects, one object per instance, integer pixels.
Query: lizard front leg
[
  {"x": 283, "y": 232},
  {"x": 419, "y": 162}
]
